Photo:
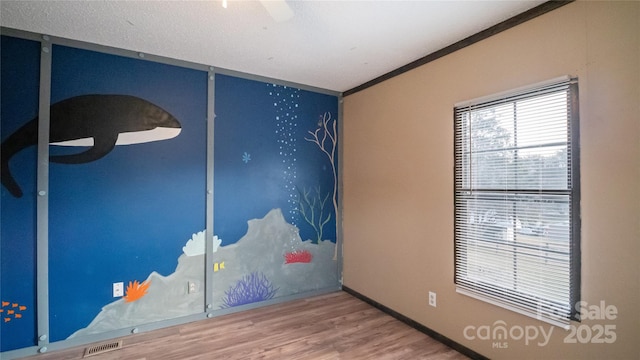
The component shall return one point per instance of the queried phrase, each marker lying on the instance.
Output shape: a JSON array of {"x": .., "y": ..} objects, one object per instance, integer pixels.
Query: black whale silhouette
[{"x": 101, "y": 117}]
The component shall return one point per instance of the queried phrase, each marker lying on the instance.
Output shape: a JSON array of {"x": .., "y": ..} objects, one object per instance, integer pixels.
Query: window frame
[{"x": 481, "y": 292}]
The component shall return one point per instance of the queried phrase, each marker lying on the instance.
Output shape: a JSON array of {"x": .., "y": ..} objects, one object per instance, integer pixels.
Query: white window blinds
[{"x": 517, "y": 200}]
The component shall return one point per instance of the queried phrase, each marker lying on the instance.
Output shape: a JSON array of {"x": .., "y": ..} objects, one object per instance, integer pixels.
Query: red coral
[{"x": 298, "y": 256}]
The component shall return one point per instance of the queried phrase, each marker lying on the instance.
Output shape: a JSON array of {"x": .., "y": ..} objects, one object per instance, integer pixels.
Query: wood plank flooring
[{"x": 331, "y": 326}]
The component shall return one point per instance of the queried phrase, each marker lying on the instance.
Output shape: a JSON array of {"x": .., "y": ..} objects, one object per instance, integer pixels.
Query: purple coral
[{"x": 251, "y": 288}]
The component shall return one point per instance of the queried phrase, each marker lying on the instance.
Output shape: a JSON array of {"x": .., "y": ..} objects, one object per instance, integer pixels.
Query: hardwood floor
[{"x": 331, "y": 326}]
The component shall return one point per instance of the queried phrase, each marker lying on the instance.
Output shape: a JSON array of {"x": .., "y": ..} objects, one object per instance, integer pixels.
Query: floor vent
[{"x": 102, "y": 348}]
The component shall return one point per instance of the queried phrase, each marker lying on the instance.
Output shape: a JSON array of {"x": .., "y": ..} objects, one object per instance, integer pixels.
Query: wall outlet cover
[
  {"x": 432, "y": 298},
  {"x": 192, "y": 287},
  {"x": 118, "y": 289}
]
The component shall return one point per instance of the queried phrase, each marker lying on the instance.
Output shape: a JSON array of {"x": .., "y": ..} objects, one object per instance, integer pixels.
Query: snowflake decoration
[{"x": 246, "y": 157}]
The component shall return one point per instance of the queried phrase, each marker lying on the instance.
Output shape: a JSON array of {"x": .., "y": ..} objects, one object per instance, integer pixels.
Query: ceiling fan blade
[{"x": 278, "y": 9}]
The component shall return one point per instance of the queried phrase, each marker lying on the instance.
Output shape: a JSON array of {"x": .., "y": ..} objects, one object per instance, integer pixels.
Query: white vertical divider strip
[
  {"x": 339, "y": 235},
  {"x": 208, "y": 268},
  {"x": 42, "y": 202}
]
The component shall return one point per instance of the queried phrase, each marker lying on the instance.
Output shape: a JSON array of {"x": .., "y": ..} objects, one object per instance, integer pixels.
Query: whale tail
[
  {"x": 8, "y": 180},
  {"x": 24, "y": 137}
]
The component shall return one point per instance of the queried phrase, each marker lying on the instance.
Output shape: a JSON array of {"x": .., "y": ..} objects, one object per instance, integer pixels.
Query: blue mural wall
[
  {"x": 262, "y": 157},
  {"x": 127, "y": 192},
  {"x": 275, "y": 191},
  {"x": 20, "y": 66},
  {"x": 124, "y": 215}
]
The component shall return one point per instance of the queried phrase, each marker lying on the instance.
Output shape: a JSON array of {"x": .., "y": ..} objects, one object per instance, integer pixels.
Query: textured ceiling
[{"x": 335, "y": 45}]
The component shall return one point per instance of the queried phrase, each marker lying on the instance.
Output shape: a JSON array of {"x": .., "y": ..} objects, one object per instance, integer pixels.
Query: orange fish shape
[
  {"x": 22, "y": 308},
  {"x": 1, "y": 310},
  {"x": 7, "y": 319},
  {"x": 18, "y": 316},
  {"x": 14, "y": 305},
  {"x": 10, "y": 312},
  {"x": 5, "y": 303}
]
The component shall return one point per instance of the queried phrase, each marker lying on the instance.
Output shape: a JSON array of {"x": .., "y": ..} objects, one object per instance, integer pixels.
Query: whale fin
[
  {"x": 101, "y": 146},
  {"x": 25, "y": 136},
  {"x": 8, "y": 181}
]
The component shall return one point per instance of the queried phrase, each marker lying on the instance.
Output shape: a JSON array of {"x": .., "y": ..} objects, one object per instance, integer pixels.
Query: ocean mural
[
  {"x": 261, "y": 251},
  {"x": 255, "y": 270},
  {"x": 127, "y": 192},
  {"x": 121, "y": 203},
  {"x": 274, "y": 144}
]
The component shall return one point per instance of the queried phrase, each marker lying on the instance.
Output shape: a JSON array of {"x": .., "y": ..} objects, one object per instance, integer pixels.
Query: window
[{"x": 517, "y": 223}]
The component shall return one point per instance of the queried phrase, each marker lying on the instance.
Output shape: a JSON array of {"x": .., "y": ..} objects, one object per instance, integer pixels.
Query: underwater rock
[
  {"x": 260, "y": 250},
  {"x": 167, "y": 297},
  {"x": 263, "y": 248}
]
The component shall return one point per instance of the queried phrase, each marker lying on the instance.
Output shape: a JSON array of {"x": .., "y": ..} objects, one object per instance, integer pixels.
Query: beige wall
[{"x": 398, "y": 175}]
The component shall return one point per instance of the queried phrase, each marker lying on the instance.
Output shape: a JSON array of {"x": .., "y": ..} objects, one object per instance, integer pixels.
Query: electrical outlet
[
  {"x": 432, "y": 298},
  {"x": 191, "y": 287},
  {"x": 118, "y": 289}
]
